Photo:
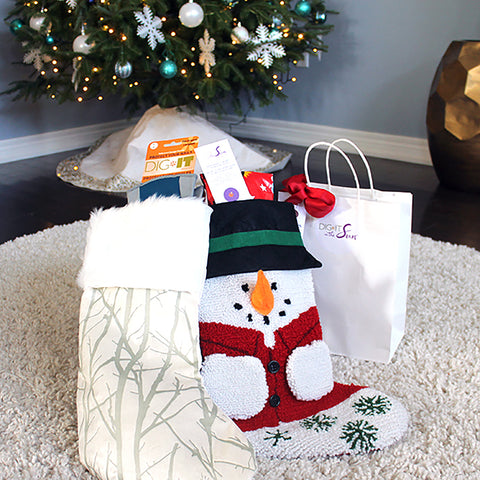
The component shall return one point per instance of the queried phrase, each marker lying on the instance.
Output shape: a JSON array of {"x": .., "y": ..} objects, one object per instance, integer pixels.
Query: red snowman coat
[{"x": 281, "y": 404}]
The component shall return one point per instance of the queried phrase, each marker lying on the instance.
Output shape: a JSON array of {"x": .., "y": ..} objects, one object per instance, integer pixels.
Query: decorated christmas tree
[{"x": 165, "y": 52}]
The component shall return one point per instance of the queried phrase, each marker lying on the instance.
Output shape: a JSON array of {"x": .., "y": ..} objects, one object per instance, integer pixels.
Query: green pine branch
[{"x": 112, "y": 28}]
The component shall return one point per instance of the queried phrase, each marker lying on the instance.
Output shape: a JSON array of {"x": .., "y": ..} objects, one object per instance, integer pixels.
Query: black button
[
  {"x": 274, "y": 400},
  {"x": 273, "y": 366}
]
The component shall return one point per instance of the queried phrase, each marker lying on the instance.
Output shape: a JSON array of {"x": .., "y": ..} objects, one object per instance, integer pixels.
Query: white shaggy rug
[{"x": 435, "y": 372}]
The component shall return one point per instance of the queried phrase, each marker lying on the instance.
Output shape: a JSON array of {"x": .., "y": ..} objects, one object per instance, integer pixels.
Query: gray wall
[
  {"x": 376, "y": 76},
  {"x": 382, "y": 57},
  {"x": 22, "y": 118}
]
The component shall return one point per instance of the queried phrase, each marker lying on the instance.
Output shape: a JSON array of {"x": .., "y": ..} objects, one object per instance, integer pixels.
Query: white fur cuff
[{"x": 160, "y": 243}]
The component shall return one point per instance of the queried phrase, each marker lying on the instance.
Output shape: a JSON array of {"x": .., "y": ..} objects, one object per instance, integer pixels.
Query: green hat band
[{"x": 255, "y": 238}]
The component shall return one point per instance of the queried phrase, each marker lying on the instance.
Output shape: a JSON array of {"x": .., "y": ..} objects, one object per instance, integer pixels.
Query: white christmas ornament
[
  {"x": 37, "y": 22},
  {"x": 149, "y": 27},
  {"x": 191, "y": 14},
  {"x": 81, "y": 45},
  {"x": 239, "y": 34},
  {"x": 71, "y": 3},
  {"x": 266, "y": 48},
  {"x": 123, "y": 69},
  {"x": 207, "y": 46}
]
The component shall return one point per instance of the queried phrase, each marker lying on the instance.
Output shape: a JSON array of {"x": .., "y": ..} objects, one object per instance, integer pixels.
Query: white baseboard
[
  {"x": 381, "y": 145},
  {"x": 393, "y": 147},
  {"x": 33, "y": 146}
]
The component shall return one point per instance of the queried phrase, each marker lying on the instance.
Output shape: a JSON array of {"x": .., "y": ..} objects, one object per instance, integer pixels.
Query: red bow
[{"x": 318, "y": 201}]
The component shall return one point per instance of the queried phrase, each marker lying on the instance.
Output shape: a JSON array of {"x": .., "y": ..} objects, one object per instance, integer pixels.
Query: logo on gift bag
[{"x": 338, "y": 231}]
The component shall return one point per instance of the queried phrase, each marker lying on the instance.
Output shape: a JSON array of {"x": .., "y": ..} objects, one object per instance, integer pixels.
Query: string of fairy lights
[{"x": 265, "y": 46}]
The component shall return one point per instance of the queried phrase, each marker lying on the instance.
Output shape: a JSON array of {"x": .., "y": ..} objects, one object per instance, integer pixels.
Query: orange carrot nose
[{"x": 262, "y": 295}]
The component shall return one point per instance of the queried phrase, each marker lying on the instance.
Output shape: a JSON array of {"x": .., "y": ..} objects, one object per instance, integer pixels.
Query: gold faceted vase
[{"x": 453, "y": 117}]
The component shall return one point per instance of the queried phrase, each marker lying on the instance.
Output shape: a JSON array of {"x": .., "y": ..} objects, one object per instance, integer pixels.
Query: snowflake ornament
[
  {"x": 149, "y": 26},
  {"x": 266, "y": 46},
  {"x": 71, "y": 3},
  {"x": 36, "y": 58},
  {"x": 207, "y": 46}
]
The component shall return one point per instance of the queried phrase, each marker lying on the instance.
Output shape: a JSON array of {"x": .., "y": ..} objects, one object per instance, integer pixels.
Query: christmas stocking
[
  {"x": 142, "y": 410},
  {"x": 264, "y": 361}
]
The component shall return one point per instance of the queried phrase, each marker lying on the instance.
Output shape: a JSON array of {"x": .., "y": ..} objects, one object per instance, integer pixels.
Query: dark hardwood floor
[{"x": 32, "y": 198}]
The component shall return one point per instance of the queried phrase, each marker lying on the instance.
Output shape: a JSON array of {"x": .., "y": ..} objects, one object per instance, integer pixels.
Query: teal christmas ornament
[
  {"x": 319, "y": 18},
  {"x": 168, "y": 69},
  {"x": 276, "y": 22},
  {"x": 123, "y": 69},
  {"x": 49, "y": 40},
  {"x": 303, "y": 8},
  {"x": 16, "y": 25}
]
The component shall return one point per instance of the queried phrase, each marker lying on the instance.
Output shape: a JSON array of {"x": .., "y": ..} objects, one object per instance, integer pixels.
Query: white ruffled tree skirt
[
  {"x": 115, "y": 163},
  {"x": 435, "y": 372}
]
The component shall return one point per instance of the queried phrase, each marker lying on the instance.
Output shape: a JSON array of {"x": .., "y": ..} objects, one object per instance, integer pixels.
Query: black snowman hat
[{"x": 252, "y": 235}]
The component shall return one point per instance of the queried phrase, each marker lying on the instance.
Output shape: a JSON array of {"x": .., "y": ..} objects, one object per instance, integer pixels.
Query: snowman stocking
[
  {"x": 265, "y": 363},
  {"x": 142, "y": 410}
]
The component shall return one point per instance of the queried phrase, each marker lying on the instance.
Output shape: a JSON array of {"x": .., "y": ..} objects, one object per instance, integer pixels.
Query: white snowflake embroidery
[
  {"x": 266, "y": 48},
  {"x": 36, "y": 58},
  {"x": 149, "y": 26},
  {"x": 207, "y": 46}
]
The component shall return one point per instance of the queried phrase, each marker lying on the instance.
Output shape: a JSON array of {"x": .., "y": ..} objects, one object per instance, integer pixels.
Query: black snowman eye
[
  {"x": 273, "y": 286},
  {"x": 245, "y": 287},
  {"x": 287, "y": 301},
  {"x": 237, "y": 306}
]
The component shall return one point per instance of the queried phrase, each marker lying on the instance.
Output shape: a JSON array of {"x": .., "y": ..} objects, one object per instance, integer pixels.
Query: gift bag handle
[
  {"x": 362, "y": 156},
  {"x": 330, "y": 147}
]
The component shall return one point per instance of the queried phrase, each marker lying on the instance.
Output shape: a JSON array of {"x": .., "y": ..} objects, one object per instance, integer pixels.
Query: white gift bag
[{"x": 364, "y": 246}]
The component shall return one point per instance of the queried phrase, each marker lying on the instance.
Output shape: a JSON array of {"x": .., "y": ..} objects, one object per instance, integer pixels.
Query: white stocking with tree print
[{"x": 142, "y": 410}]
